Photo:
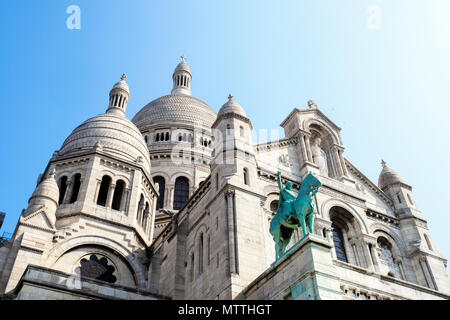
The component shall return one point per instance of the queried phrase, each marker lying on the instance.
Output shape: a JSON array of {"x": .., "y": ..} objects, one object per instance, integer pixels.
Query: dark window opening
[
  {"x": 338, "y": 240},
  {"x": 118, "y": 193},
  {"x": 76, "y": 188},
  {"x": 162, "y": 186},
  {"x": 62, "y": 189},
  {"x": 98, "y": 269},
  {"x": 181, "y": 194},
  {"x": 103, "y": 192}
]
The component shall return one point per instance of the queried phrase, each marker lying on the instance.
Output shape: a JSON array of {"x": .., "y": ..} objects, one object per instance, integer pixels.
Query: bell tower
[{"x": 429, "y": 264}]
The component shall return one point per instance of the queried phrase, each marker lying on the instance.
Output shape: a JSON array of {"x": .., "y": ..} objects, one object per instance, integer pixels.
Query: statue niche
[{"x": 320, "y": 156}]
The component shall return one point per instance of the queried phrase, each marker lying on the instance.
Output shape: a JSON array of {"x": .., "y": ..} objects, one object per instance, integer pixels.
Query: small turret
[
  {"x": 118, "y": 97},
  {"x": 46, "y": 195},
  {"x": 182, "y": 78}
]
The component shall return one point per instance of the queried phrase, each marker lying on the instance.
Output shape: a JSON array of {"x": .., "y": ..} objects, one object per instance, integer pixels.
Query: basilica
[{"x": 177, "y": 204}]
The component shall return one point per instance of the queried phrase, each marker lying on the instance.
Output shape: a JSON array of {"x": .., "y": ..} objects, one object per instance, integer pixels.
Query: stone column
[
  {"x": 303, "y": 147},
  {"x": 109, "y": 198},
  {"x": 139, "y": 212},
  {"x": 348, "y": 248},
  {"x": 308, "y": 149},
  {"x": 97, "y": 188},
  {"x": 368, "y": 255},
  {"x": 166, "y": 197},
  {"x": 344, "y": 167},
  {"x": 68, "y": 193},
  {"x": 375, "y": 258},
  {"x": 329, "y": 234},
  {"x": 230, "y": 217},
  {"x": 336, "y": 163},
  {"x": 124, "y": 201},
  {"x": 171, "y": 191}
]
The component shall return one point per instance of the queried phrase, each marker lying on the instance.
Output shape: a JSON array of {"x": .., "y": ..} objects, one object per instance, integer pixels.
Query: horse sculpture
[{"x": 293, "y": 211}]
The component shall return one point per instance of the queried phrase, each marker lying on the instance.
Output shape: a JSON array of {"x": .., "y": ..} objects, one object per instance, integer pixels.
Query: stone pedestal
[{"x": 305, "y": 272}]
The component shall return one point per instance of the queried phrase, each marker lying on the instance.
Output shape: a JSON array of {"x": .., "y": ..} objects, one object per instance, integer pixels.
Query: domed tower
[
  {"x": 177, "y": 129},
  {"x": 429, "y": 264},
  {"x": 96, "y": 203}
]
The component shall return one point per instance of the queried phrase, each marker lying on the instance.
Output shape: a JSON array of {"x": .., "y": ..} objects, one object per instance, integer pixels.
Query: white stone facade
[{"x": 177, "y": 204}]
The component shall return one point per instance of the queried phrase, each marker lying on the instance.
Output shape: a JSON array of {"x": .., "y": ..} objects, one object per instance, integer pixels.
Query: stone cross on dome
[
  {"x": 383, "y": 163},
  {"x": 183, "y": 58},
  {"x": 230, "y": 96},
  {"x": 124, "y": 76}
]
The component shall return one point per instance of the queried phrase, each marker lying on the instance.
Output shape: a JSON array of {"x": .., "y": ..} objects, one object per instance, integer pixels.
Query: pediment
[{"x": 38, "y": 219}]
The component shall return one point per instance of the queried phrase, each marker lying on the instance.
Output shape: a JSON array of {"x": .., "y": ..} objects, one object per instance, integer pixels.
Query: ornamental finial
[
  {"x": 124, "y": 76},
  {"x": 383, "y": 163},
  {"x": 312, "y": 104}
]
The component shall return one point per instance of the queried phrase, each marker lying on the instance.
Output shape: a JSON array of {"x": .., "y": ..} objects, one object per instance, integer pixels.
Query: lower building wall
[
  {"x": 308, "y": 272},
  {"x": 39, "y": 283}
]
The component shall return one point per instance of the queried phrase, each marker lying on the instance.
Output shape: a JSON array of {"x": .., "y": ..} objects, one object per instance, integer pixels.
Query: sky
[{"x": 378, "y": 69}]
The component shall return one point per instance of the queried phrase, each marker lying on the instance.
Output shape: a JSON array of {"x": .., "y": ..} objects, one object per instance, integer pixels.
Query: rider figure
[{"x": 287, "y": 196}]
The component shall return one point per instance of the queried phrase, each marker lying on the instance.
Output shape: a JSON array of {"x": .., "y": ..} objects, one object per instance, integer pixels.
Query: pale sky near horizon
[{"x": 383, "y": 81}]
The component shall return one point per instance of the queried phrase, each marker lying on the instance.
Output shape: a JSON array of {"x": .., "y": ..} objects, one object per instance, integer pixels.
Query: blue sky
[{"x": 387, "y": 88}]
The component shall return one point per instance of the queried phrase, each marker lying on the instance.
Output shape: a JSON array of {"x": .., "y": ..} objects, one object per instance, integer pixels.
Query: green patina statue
[{"x": 293, "y": 211}]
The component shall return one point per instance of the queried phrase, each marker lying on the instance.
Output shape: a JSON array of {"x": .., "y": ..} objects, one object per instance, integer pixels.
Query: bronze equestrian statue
[{"x": 293, "y": 211}]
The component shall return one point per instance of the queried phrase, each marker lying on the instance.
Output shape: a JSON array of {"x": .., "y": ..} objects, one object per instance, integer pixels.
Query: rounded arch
[
  {"x": 309, "y": 122},
  {"x": 85, "y": 240},
  {"x": 125, "y": 179},
  {"x": 330, "y": 203},
  {"x": 162, "y": 174},
  {"x": 382, "y": 230},
  {"x": 176, "y": 175}
]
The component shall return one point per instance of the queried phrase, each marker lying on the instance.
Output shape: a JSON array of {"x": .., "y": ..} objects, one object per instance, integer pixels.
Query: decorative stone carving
[{"x": 319, "y": 156}]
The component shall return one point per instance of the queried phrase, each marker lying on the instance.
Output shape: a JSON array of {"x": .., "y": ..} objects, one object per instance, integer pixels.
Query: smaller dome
[
  {"x": 182, "y": 66},
  {"x": 388, "y": 177},
  {"x": 46, "y": 190},
  {"x": 122, "y": 84},
  {"x": 231, "y": 106}
]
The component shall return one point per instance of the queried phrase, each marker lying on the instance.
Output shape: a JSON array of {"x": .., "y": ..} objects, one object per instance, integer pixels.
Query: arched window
[
  {"x": 180, "y": 137},
  {"x": 167, "y": 136},
  {"x": 140, "y": 209},
  {"x": 338, "y": 240},
  {"x": 274, "y": 206},
  {"x": 398, "y": 198},
  {"x": 157, "y": 137},
  {"x": 200, "y": 255},
  {"x": 228, "y": 129},
  {"x": 241, "y": 130},
  {"x": 146, "y": 139},
  {"x": 103, "y": 192},
  {"x": 162, "y": 186},
  {"x": 75, "y": 188},
  {"x": 62, "y": 189},
  {"x": 181, "y": 193},
  {"x": 145, "y": 217},
  {"x": 96, "y": 268},
  {"x": 246, "y": 180},
  {"x": 387, "y": 256},
  {"x": 118, "y": 193}
]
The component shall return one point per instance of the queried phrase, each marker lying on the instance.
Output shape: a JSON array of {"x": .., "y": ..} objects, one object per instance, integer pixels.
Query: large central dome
[
  {"x": 179, "y": 107},
  {"x": 175, "y": 109}
]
